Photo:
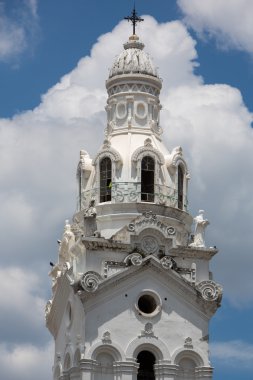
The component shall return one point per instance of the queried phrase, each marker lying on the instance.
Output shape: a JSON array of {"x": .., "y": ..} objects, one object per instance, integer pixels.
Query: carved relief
[
  {"x": 106, "y": 339},
  {"x": 210, "y": 291},
  {"x": 188, "y": 343},
  {"x": 168, "y": 263},
  {"x": 150, "y": 219},
  {"x": 134, "y": 258},
  {"x": 149, "y": 245},
  {"x": 90, "y": 281}
]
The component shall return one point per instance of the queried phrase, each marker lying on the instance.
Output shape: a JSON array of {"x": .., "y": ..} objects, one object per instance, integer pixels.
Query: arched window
[
  {"x": 105, "y": 366},
  {"x": 180, "y": 187},
  {"x": 146, "y": 362},
  {"x": 187, "y": 368},
  {"x": 105, "y": 179},
  {"x": 147, "y": 179}
]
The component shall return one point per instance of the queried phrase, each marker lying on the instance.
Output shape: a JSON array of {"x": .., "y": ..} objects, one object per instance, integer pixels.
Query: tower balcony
[{"x": 130, "y": 192}]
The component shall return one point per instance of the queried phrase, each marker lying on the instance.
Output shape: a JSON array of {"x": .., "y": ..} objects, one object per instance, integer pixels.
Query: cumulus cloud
[
  {"x": 213, "y": 125},
  {"x": 17, "y": 28},
  {"x": 236, "y": 353},
  {"x": 22, "y": 305},
  {"x": 26, "y": 361},
  {"x": 39, "y": 151},
  {"x": 229, "y": 22}
]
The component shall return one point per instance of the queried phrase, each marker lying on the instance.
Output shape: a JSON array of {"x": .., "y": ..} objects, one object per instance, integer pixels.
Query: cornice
[{"x": 193, "y": 252}]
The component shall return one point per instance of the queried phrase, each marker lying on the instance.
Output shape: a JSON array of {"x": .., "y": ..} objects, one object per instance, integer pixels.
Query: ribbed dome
[{"x": 133, "y": 60}]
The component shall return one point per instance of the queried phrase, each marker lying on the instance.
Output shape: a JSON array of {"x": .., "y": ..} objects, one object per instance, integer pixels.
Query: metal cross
[{"x": 134, "y": 19}]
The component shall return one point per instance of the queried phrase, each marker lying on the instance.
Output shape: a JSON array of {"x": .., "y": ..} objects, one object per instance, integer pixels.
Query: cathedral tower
[{"x": 132, "y": 294}]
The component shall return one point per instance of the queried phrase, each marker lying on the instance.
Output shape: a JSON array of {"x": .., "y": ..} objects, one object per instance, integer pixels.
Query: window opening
[
  {"x": 105, "y": 179},
  {"x": 146, "y": 362},
  {"x": 180, "y": 187},
  {"x": 147, "y": 179}
]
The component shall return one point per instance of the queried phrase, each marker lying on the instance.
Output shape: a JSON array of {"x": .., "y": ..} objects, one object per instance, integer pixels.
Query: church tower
[{"x": 132, "y": 294}]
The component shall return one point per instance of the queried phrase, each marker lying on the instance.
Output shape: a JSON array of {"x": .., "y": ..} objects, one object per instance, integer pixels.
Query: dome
[{"x": 133, "y": 60}]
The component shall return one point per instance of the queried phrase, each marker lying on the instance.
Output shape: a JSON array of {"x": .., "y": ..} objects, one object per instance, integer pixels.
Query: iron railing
[{"x": 127, "y": 192}]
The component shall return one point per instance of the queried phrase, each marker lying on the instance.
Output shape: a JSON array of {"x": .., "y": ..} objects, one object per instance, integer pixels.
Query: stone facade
[{"x": 132, "y": 294}]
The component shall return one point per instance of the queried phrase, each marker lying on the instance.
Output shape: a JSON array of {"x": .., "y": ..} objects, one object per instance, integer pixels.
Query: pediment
[
  {"x": 148, "y": 233},
  {"x": 150, "y": 269}
]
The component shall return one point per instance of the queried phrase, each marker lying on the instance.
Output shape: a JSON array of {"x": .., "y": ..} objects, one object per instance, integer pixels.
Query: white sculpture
[
  {"x": 199, "y": 233},
  {"x": 68, "y": 240}
]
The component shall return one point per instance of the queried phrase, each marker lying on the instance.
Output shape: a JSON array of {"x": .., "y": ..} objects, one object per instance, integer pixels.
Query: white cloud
[
  {"x": 26, "y": 361},
  {"x": 214, "y": 127},
  {"x": 230, "y": 22},
  {"x": 38, "y": 155},
  {"x": 17, "y": 28},
  {"x": 234, "y": 353},
  {"x": 22, "y": 305}
]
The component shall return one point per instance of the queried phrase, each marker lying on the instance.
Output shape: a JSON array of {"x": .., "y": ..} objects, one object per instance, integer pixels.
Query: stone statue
[
  {"x": 68, "y": 240},
  {"x": 199, "y": 233},
  {"x": 91, "y": 212}
]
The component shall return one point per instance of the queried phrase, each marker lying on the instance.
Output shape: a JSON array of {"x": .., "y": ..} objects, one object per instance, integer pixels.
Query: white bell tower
[{"x": 132, "y": 294}]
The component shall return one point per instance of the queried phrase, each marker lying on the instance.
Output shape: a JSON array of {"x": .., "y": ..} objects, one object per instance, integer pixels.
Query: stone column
[
  {"x": 126, "y": 370},
  {"x": 165, "y": 371}
]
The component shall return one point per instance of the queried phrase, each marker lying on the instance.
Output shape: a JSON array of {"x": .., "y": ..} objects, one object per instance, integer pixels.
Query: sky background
[{"x": 55, "y": 56}]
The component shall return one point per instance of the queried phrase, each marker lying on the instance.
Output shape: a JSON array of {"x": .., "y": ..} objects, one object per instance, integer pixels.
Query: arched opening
[
  {"x": 180, "y": 187},
  {"x": 187, "y": 368},
  {"x": 147, "y": 179},
  {"x": 105, "y": 179},
  {"x": 105, "y": 366},
  {"x": 146, "y": 362}
]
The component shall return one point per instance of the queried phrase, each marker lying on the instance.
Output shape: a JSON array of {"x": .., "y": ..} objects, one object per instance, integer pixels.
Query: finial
[{"x": 134, "y": 18}]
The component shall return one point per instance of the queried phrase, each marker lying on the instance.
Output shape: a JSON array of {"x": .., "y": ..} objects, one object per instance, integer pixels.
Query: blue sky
[{"x": 54, "y": 60}]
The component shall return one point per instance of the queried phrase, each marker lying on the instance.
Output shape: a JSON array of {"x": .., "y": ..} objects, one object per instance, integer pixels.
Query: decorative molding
[
  {"x": 134, "y": 258},
  {"x": 108, "y": 151},
  {"x": 167, "y": 262},
  {"x": 210, "y": 291},
  {"x": 148, "y": 331},
  {"x": 106, "y": 339},
  {"x": 175, "y": 159},
  {"x": 90, "y": 281},
  {"x": 133, "y": 87},
  {"x": 188, "y": 343},
  {"x": 149, "y": 219},
  {"x": 148, "y": 149}
]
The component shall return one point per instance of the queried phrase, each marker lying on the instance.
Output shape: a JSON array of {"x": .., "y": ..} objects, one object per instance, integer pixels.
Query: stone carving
[
  {"x": 135, "y": 259},
  {"x": 168, "y": 263},
  {"x": 148, "y": 331},
  {"x": 199, "y": 234},
  {"x": 150, "y": 219},
  {"x": 90, "y": 281},
  {"x": 149, "y": 245},
  {"x": 139, "y": 153},
  {"x": 210, "y": 291},
  {"x": 106, "y": 339},
  {"x": 112, "y": 267},
  {"x": 48, "y": 308},
  {"x": 90, "y": 223},
  {"x": 133, "y": 60},
  {"x": 133, "y": 87},
  {"x": 91, "y": 211},
  {"x": 188, "y": 343},
  {"x": 68, "y": 240}
]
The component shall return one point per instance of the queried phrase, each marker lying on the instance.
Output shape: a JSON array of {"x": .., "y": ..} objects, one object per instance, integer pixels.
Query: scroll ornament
[
  {"x": 90, "y": 281},
  {"x": 210, "y": 291}
]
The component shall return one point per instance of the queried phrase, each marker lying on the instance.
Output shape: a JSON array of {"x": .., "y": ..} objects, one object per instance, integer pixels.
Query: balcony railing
[{"x": 127, "y": 192}]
